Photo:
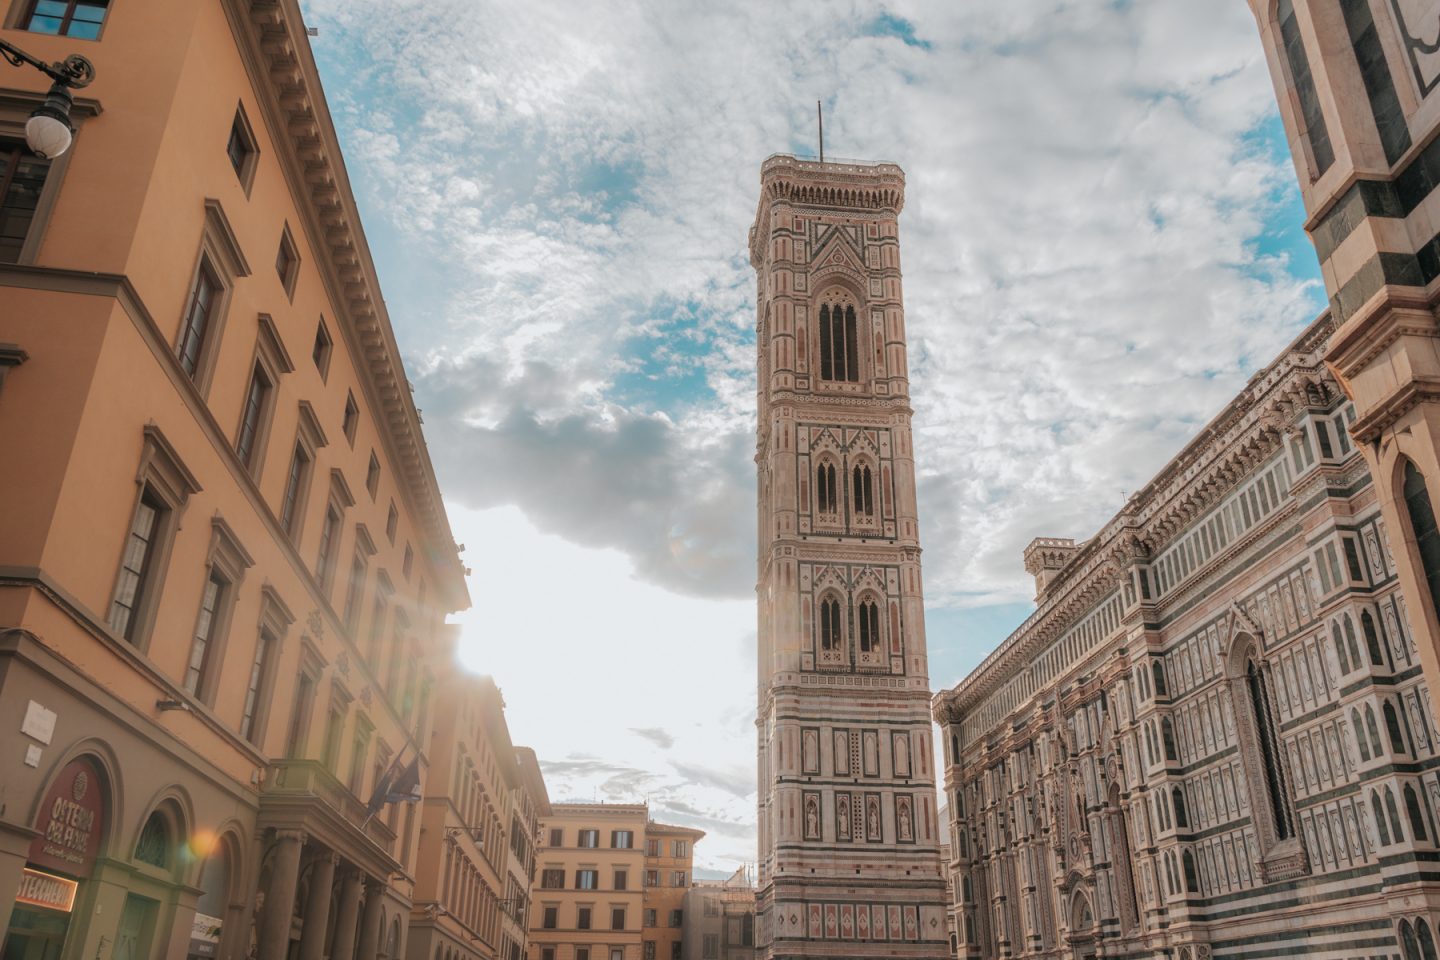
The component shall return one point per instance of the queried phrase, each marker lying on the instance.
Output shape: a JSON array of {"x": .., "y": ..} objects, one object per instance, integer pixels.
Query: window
[
  {"x": 22, "y": 177},
  {"x": 351, "y": 418},
  {"x": 830, "y": 635},
  {"x": 617, "y": 918},
  {"x": 240, "y": 148},
  {"x": 557, "y": 837},
  {"x": 587, "y": 879},
  {"x": 547, "y": 953},
  {"x": 324, "y": 558},
  {"x": 355, "y": 591},
  {"x": 551, "y": 921},
  {"x": 552, "y": 879},
  {"x": 254, "y": 686},
  {"x": 300, "y": 716},
  {"x": 137, "y": 565},
  {"x": 650, "y": 915},
  {"x": 1427, "y": 535},
  {"x": 359, "y": 753},
  {"x": 839, "y": 351},
  {"x": 582, "y": 953},
  {"x": 377, "y": 621},
  {"x": 320, "y": 352},
  {"x": 408, "y": 562},
  {"x": 287, "y": 262},
  {"x": 652, "y": 878},
  {"x": 392, "y": 520},
  {"x": 294, "y": 485},
  {"x": 582, "y": 918},
  {"x": 826, "y": 498},
  {"x": 334, "y": 727},
  {"x": 80, "y": 19},
  {"x": 372, "y": 475},
  {"x": 677, "y": 918},
  {"x": 649, "y": 948},
  {"x": 710, "y": 950},
  {"x": 622, "y": 839},
  {"x": 199, "y": 315},
  {"x": 257, "y": 397},
  {"x": 868, "y": 620},
  {"x": 618, "y": 953},
  {"x": 675, "y": 950},
  {"x": 677, "y": 878},
  {"x": 863, "y": 492},
  {"x": 213, "y": 599},
  {"x": 622, "y": 878},
  {"x": 652, "y": 848}
]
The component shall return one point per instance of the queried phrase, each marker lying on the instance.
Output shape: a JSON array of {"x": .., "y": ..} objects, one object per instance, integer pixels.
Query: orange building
[
  {"x": 477, "y": 831},
  {"x": 224, "y": 561},
  {"x": 669, "y": 874}
]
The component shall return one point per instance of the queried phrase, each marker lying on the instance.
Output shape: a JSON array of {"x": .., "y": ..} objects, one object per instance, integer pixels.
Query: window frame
[
  {"x": 322, "y": 351},
  {"x": 245, "y": 172},
  {"x": 287, "y": 255},
  {"x": 169, "y": 483},
  {"x": 273, "y": 361},
  {"x": 25, "y": 11},
  {"x": 275, "y": 620},
  {"x": 309, "y": 439},
  {"x": 230, "y": 561},
  {"x": 302, "y": 715},
  {"x": 218, "y": 250}
]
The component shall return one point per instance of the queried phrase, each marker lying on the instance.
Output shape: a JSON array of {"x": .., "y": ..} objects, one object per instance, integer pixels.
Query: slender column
[
  {"x": 280, "y": 898},
  {"x": 370, "y": 932},
  {"x": 317, "y": 907},
  {"x": 348, "y": 914}
]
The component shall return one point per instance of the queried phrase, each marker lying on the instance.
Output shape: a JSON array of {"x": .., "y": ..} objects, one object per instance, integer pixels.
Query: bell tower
[{"x": 849, "y": 862}]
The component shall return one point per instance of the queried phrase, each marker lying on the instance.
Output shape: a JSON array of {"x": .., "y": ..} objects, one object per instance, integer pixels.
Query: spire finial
[{"x": 820, "y": 120}]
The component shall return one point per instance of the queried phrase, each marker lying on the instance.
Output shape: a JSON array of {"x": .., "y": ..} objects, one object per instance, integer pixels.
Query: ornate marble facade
[
  {"x": 1213, "y": 737},
  {"x": 849, "y": 860}
]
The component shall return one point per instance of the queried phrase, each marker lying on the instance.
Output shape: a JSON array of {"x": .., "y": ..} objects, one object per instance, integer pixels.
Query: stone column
[
  {"x": 317, "y": 907},
  {"x": 280, "y": 898},
  {"x": 348, "y": 913},
  {"x": 370, "y": 932}
]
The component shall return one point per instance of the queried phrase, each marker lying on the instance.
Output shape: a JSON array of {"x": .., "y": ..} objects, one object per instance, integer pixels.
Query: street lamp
[{"x": 48, "y": 131}]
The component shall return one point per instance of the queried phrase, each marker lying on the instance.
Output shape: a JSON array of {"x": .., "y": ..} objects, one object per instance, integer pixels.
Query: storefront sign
[
  {"x": 71, "y": 821},
  {"x": 46, "y": 890},
  {"x": 204, "y": 936}
]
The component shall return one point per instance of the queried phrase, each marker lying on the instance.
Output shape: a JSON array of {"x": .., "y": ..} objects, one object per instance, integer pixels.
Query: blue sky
[{"x": 1101, "y": 242}]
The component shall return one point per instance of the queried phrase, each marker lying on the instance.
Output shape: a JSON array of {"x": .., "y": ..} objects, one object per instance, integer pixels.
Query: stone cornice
[
  {"x": 860, "y": 190},
  {"x": 270, "y": 35},
  {"x": 1251, "y": 428}
]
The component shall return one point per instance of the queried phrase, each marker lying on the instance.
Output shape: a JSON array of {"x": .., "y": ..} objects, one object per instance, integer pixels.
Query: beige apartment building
[
  {"x": 669, "y": 873},
  {"x": 477, "y": 821},
  {"x": 224, "y": 560},
  {"x": 588, "y": 898},
  {"x": 720, "y": 919}
]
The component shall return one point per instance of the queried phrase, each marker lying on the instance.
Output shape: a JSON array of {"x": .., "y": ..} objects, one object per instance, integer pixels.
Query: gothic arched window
[
  {"x": 1427, "y": 942},
  {"x": 1177, "y": 798},
  {"x": 869, "y": 624},
  {"x": 839, "y": 347},
  {"x": 1372, "y": 641},
  {"x": 1412, "y": 811},
  {"x": 1159, "y": 673},
  {"x": 1427, "y": 535},
  {"x": 1269, "y": 749},
  {"x": 1350, "y": 640},
  {"x": 1340, "y": 648},
  {"x": 1192, "y": 885},
  {"x": 1167, "y": 734},
  {"x": 1392, "y": 727},
  {"x": 1408, "y": 942},
  {"x": 863, "y": 488},
  {"x": 830, "y": 635},
  {"x": 1359, "y": 733},
  {"x": 1372, "y": 729},
  {"x": 1380, "y": 819},
  {"x": 1394, "y": 815},
  {"x": 827, "y": 499}
]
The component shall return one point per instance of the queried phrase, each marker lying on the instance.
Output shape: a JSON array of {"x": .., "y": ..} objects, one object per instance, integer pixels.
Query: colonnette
[{"x": 1216, "y": 734}]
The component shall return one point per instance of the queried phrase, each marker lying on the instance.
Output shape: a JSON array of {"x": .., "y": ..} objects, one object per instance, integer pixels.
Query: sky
[{"x": 1101, "y": 242}]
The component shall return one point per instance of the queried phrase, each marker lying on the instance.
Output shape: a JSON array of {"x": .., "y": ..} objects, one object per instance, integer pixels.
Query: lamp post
[{"x": 48, "y": 131}]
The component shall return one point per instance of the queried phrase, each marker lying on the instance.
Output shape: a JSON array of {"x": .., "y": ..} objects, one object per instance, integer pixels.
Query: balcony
[{"x": 304, "y": 795}]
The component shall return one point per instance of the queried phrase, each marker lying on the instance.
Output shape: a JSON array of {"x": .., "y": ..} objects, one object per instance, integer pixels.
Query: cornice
[{"x": 270, "y": 35}]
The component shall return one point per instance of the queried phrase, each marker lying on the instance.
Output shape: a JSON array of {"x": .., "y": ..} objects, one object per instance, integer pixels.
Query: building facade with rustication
[{"x": 849, "y": 860}]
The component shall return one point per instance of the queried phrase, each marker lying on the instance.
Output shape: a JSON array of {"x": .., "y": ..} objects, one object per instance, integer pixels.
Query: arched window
[
  {"x": 1372, "y": 729},
  {"x": 1412, "y": 811},
  {"x": 1159, "y": 671},
  {"x": 153, "y": 847},
  {"x": 869, "y": 624},
  {"x": 1269, "y": 749},
  {"x": 1427, "y": 942},
  {"x": 1394, "y": 814},
  {"x": 1167, "y": 734},
  {"x": 1192, "y": 885},
  {"x": 863, "y": 490},
  {"x": 1340, "y": 648},
  {"x": 1359, "y": 733},
  {"x": 1372, "y": 640},
  {"x": 839, "y": 349},
  {"x": 1392, "y": 727},
  {"x": 830, "y": 633},
  {"x": 1350, "y": 640},
  {"x": 1177, "y": 798},
  {"x": 826, "y": 496},
  {"x": 955, "y": 758},
  {"x": 1408, "y": 943},
  {"x": 1170, "y": 874},
  {"x": 1380, "y": 826},
  {"x": 1427, "y": 535}
]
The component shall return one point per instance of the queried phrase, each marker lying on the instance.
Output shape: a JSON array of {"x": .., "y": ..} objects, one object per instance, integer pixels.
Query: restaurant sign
[
  {"x": 46, "y": 890},
  {"x": 71, "y": 821}
]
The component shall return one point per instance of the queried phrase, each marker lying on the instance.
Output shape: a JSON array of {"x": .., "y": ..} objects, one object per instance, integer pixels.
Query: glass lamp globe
[{"x": 48, "y": 135}]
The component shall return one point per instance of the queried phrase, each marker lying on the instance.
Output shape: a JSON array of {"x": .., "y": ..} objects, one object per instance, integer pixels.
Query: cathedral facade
[
  {"x": 848, "y": 836},
  {"x": 1215, "y": 736}
]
